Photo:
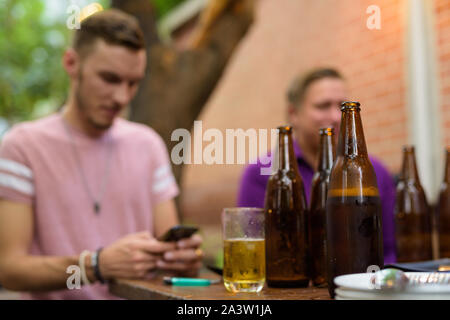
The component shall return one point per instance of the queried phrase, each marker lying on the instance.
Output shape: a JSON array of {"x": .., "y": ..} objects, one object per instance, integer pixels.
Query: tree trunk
[{"x": 178, "y": 84}]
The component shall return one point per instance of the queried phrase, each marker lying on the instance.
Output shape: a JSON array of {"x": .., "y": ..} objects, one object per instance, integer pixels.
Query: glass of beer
[{"x": 244, "y": 249}]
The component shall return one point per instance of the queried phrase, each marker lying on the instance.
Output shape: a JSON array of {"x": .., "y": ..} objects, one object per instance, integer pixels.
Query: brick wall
[
  {"x": 291, "y": 36},
  {"x": 442, "y": 31}
]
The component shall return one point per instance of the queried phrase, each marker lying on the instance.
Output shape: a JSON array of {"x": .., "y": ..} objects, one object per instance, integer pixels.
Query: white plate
[
  {"x": 361, "y": 282},
  {"x": 345, "y": 294}
]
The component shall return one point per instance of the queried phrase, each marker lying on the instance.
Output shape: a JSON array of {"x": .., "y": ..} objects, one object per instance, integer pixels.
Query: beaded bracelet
[
  {"x": 95, "y": 265},
  {"x": 81, "y": 263}
]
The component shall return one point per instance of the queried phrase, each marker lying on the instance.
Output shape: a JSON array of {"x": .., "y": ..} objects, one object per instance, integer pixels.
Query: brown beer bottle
[
  {"x": 444, "y": 211},
  {"x": 412, "y": 214},
  {"x": 286, "y": 220},
  {"x": 317, "y": 216},
  {"x": 354, "y": 230}
]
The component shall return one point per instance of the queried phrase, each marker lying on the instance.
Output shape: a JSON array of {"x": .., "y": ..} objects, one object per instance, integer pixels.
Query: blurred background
[{"x": 229, "y": 62}]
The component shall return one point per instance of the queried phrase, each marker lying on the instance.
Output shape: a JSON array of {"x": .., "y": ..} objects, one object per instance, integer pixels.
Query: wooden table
[{"x": 155, "y": 289}]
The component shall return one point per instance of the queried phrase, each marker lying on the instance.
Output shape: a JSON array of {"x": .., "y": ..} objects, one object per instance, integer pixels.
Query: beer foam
[{"x": 245, "y": 239}]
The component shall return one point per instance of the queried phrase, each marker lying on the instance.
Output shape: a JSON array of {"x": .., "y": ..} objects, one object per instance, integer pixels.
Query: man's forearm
[{"x": 40, "y": 273}]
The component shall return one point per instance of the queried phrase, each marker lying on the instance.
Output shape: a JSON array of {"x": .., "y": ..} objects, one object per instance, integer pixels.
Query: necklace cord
[{"x": 96, "y": 203}]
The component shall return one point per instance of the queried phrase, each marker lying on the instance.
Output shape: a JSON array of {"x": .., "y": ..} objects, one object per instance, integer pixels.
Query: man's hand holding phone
[
  {"x": 187, "y": 257},
  {"x": 133, "y": 256}
]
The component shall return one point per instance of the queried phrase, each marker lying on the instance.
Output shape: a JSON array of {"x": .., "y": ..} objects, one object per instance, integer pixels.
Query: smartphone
[{"x": 178, "y": 232}]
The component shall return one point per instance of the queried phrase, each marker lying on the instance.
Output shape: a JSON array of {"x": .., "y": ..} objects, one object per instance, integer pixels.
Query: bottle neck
[
  {"x": 351, "y": 136},
  {"x": 409, "y": 169},
  {"x": 326, "y": 152},
  {"x": 286, "y": 151}
]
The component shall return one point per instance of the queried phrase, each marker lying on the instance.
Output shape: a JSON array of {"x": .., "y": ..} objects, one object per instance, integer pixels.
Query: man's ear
[
  {"x": 292, "y": 113},
  {"x": 291, "y": 109},
  {"x": 71, "y": 63}
]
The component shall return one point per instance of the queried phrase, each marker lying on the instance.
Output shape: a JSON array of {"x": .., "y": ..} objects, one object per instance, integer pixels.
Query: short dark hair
[
  {"x": 113, "y": 26},
  {"x": 299, "y": 85}
]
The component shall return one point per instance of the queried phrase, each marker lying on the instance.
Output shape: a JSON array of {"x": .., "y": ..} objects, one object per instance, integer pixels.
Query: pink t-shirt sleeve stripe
[{"x": 16, "y": 177}]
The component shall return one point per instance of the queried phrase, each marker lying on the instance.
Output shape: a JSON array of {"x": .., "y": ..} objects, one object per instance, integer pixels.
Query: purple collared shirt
[{"x": 253, "y": 184}]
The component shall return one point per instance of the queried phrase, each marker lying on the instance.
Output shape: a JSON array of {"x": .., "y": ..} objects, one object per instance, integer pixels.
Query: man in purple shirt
[{"x": 313, "y": 103}]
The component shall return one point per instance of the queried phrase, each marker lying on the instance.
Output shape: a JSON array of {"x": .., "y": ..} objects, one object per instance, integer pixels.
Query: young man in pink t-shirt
[{"x": 86, "y": 188}]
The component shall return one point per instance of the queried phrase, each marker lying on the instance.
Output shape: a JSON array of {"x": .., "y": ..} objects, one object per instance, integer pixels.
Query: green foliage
[
  {"x": 32, "y": 80},
  {"x": 33, "y": 37},
  {"x": 30, "y": 59},
  {"x": 164, "y": 6}
]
